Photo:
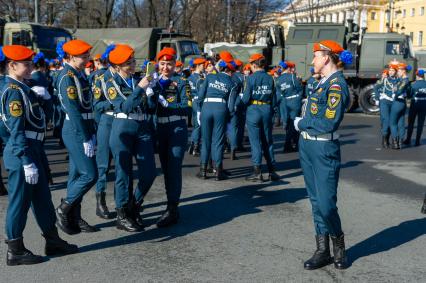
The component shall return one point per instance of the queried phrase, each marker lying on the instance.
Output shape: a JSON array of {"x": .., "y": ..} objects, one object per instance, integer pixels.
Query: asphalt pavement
[{"x": 236, "y": 231}]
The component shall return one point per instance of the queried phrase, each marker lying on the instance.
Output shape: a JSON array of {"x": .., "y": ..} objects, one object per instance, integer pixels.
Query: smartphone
[{"x": 150, "y": 70}]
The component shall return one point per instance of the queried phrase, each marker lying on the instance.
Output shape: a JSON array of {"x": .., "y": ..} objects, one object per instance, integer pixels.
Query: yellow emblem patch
[
  {"x": 333, "y": 100},
  {"x": 319, "y": 90},
  {"x": 112, "y": 93},
  {"x": 72, "y": 92},
  {"x": 314, "y": 108},
  {"x": 15, "y": 108},
  {"x": 170, "y": 99},
  {"x": 97, "y": 92},
  {"x": 330, "y": 114}
]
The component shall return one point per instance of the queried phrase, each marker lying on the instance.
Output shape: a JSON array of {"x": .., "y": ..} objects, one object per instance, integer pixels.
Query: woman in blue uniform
[
  {"x": 4, "y": 135},
  {"x": 25, "y": 121},
  {"x": 131, "y": 136},
  {"x": 319, "y": 150}
]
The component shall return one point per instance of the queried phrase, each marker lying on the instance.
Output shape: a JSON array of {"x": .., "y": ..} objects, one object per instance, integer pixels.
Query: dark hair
[
  {"x": 40, "y": 64},
  {"x": 335, "y": 59},
  {"x": 261, "y": 63}
]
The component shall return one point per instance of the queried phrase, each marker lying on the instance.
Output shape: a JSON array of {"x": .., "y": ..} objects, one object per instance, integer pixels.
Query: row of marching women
[{"x": 392, "y": 92}]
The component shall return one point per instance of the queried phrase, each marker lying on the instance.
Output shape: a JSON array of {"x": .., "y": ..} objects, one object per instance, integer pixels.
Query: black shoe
[
  {"x": 56, "y": 246},
  {"x": 17, "y": 254},
  {"x": 385, "y": 142},
  {"x": 64, "y": 220},
  {"x": 340, "y": 258},
  {"x": 256, "y": 176},
  {"x": 242, "y": 149},
  {"x": 417, "y": 142},
  {"x": 191, "y": 149},
  {"x": 424, "y": 206},
  {"x": 196, "y": 151},
  {"x": 321, "y": 256},
  {"x": 406, "y": 142},
  {"x": 82, "y": 224},
  {"x": 273, "y": 176},
  {"x": 395, "y": 143},
  {"x": 233, "y": 155},
  {"x": 210, "y": 168},
  {"x": 169, "y": 217},
  {"x": 135, "y": 212},
  {"x": 227, "y": 148},
  {"x": 219, "y": 174},
  {"x": 101, "y": 208},
  {"x": 125, "y": 222},
  {"x": 203, "y": 172},
  {"x": 3, "y": 191}
]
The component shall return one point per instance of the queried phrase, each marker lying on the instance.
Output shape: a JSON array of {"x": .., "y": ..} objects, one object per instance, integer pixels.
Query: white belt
[
  {"x": 110, "y": 113},
  {"x": 292, "y": 96},
  {"x": 195, "y": 97},
  {"x": 86, "y": 116},
  {"x": 34, "y": 135},
  {"x": 323, "y": 137},
  {"x": 164, "y": 120},
  {"x": 131, "y": 116},
  {"x": 214, "y": 99},
  {"x": 384, "y": 96},
  {"x": 415, "y": 98}
]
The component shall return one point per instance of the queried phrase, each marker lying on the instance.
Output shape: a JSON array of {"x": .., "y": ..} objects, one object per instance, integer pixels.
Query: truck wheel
[
  {"x": 353, "y": 101},
  {"x": 367, "y": 100}
]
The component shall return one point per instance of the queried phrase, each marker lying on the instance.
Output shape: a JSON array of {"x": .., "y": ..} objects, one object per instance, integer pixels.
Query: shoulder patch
[
  {"x": 96, "y": 92},
  {"x": 330, "y": 114},
  {"x": 335, "y": 87},
  {"x": 72, "y": 92},
  {"x": 112, "y": 92},
  {"x": 70, "y": 73},
  {"x": 15, "y": 108},
  {"x": 314, "y": 108},
  {"x": 13, "y": 86},
  {"x": 333, "y": 81},
  {"x": 333, "y": 100}
]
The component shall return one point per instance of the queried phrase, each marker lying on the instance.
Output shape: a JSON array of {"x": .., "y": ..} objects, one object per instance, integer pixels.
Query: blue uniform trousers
[
  {"x": 196, "y": 130},
  {"x": 241, "y": 114},
  {"x": 259, "y": 127},
  {"x": 213, "y": 120},
  {"x": 172, "y": 142},
  {"x": 291, "y": 108},
  {"x": 23, "y": 195},
  {"x": 397, "y": 116},
  {"x": 417, "y": 109},
  {"x": 82, "y": 169},
  {"x": 385, "y": 110},
  {"x": 232, "y": 131},
  {"x": 320, "y": 161},
  {"x": 103, "y": 152},
  {"x": 132, "y": 138}
]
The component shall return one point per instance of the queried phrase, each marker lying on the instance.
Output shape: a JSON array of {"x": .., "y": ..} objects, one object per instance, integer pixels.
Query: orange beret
[
  {"x": 247, "y": 67},
  {"x": 385, "y": 71},
  {"x": 238, "y": 62},
  {"x": 255, "y": 57},
  {"x": 97, "y": 57},
  {"x": 179, "y": 63},
  {"x": 120, "y": 54},
  {"x": 17, "y": 52},
  {"x": 199, "y": 61},
  {"x": 393, "y": 65},
  {"x": 76, "y": 47},
  {"x": 402, "y": 66},
  {"x": 166, "y": 54},
  {"x": 291, "y": 64},
  {"x": 89, "y": 64},
  {"x": 328, "y": 45},
  {"x": 226, "y": 56}
]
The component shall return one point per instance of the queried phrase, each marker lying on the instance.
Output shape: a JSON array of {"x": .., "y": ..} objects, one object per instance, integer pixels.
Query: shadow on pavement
[{"x": 218, "y": 208}]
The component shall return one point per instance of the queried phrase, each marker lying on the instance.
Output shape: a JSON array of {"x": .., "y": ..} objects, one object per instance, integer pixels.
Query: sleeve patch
[
  {"x": 330, "y": 114},
  {"x": 112, "y": 93},
  {"x": 333, "y": 100},
  {"x": 97, "y": 92},
  {"x": 15, "y": 108},
  {"x": 72, "y": 92},
  {"x": 336, "y": 87}
]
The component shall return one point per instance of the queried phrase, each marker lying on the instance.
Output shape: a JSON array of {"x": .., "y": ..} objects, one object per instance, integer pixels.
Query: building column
[
  {"x": 334, "y": 18},
  {"x": 364, "y": 18},
  {"x": 342, "y": 18}
]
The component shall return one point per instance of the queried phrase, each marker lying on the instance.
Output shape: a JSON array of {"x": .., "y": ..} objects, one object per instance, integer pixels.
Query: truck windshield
[
  {"x": 189, "y": 48},
  {"x": 47, "y": 38}
]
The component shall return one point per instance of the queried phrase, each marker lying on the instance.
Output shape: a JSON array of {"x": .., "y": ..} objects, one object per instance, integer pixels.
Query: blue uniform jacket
[
  {"x": 287, "y": 86},
  {"x": 403, "y": 89},
  {"x": 418, "y": 90},
  {"x": 195, "y": 80},
  {"x": 326, "y": 106},
  {"x": 311, "y": 84},
  {"x": 386, "y": 88},
  {"x": 260, "y": 86}
]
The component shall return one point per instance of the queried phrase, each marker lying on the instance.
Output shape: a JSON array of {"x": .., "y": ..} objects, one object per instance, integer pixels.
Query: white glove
[
  {"x": 376, "y": 102},
  {"x": 199, "y": 118},
  {"x": 296, "y": 123},
  {"x": 42, "y": 92},
  {"x": 149, "y": 92},
  {"x": 241, "y": 94},
  {"x": 401, "y": 96},
  {"x": 31, "y": 174},
  {"x": 163, "y": 101},
  {"x": 89, "y": 148}
]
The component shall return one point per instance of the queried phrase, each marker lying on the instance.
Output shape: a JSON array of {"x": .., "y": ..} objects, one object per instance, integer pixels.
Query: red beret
[
  {"x": 247, "y": 67},
  {"x": 328, "y": 45},
  {"x": 226, "y": 56},
  {"x": 238, "y": 62},
  {"x": 17, "y": 52},
  {"x": 97, "y": 57},
  {"x": 179, "y": 63},
  {"x": 120, "y": 54},
  {"x": 385, "y": 71},
  {"x": 89, "y": 64},
  {"x": 255, "y": 57},
  {"x": 393, "y": 65},
  {"x": 76, "y": 47},
  {"x": 199, "y": 61},
  {"x": 166, "y": 54},
  {"x": 291, "y": 64}
]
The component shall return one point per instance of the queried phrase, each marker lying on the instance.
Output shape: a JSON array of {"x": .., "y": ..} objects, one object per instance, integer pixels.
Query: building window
[
  {"x": 422, "y": 11},
  {"x": 373, "y": 16},
  {"x": 404, "y": 13},
  {"x": 420, "y": 39},
  {"x": 413, "y": 12}
]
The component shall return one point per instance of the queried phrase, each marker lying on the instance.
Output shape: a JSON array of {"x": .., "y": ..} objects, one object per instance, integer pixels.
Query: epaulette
[
  {"x": 13, "y": 86},
  {"x": 70, "y": 73},
  {"x": 333, "y": 81}
]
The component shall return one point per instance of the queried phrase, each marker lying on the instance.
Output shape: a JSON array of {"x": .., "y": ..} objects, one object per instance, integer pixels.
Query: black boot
[
  {"x": 82, "y": 224},
  {"x": 101, "y": 208},
  {"x": 196, "y": 151},
  {"x": 210, "y": 167},
  {"x": 3, "y": 191},
  {"x": 406, "y": 142},
  {"x": 340, "y": 259},
  {"x": 56, "y": 246},
  {"x": 64, "y": 220},
  {"x": 233, "y": 154},
  {"x": 125, "y": 222},
  {"x": 203, "y": 172},
  {"x": 424, "y": 206},
  {"x": 417, "y": 142},
  {"x": 256, "y": 176},
  {"x": 219, "y": 174},
  {"x": 385, "y": 142},
  {"x": 169, "y": 217},
  {"x": 273, "y": 176},
  {"x": 17, "y": 254},
  {"x": 135, "y": 212},
  {"x": 191, "y": 149},
  {"x": 321, "y": 256},
  {"x": 395, "y": 143}
]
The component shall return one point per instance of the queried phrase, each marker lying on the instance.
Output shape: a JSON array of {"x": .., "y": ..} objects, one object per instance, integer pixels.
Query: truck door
[
  {"x": 372, "y": 60},
  {"x": 18, "y": 36},
  {"x": 394, "y": 50},
  {"x": 298, "y": 54}
]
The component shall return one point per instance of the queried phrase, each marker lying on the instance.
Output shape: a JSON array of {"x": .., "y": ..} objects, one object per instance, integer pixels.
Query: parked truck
[
  {"x": 147, "y": 42},
  {"x": 40, "y": 38},
  {"x": 371, "y": 51}
]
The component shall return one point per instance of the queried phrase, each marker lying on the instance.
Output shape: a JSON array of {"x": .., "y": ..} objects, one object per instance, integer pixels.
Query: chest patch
[
  {"x": 112, "y": 93},
  {"x": 333, "y": 100},
  {"x": 97, "y": 92},
  {"x": 170, "y": 98},
  {"x": 314, "y": 108},
  {"x": 72, "y": 92},
  {"x": 15, "y": 108}
]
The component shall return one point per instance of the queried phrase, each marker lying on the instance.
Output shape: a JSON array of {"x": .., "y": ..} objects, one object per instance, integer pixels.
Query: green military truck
[
  {"x": 372, "y": 52},
  {"x": 35, "y": 36},
  {"x": 147, "y": 42}
]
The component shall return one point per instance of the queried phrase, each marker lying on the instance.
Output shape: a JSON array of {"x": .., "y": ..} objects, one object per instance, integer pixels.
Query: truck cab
[{"x": 185, "y": 47}]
